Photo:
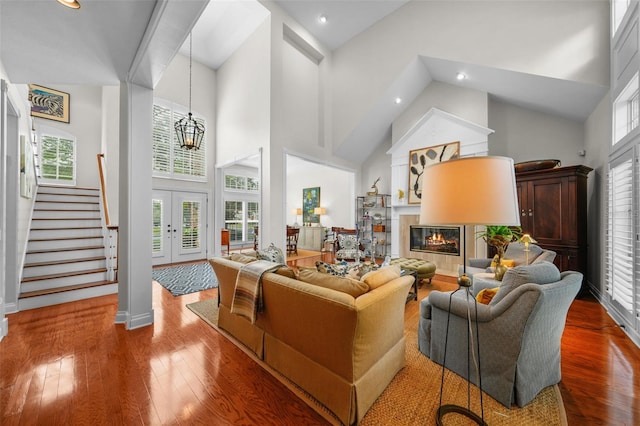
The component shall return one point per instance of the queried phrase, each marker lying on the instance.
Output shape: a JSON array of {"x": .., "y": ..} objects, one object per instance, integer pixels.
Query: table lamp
[
  {"x": 298, "y": 212},
  {"x": 319, "y": 211},
  {"x": 469, "y": 191},
  {"x": 527, "y": 239}
]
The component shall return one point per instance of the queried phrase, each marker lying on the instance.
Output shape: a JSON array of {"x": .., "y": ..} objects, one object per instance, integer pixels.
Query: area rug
[
  {"x": 187, "y": 278},
  {"x": 413, "y": 395}
]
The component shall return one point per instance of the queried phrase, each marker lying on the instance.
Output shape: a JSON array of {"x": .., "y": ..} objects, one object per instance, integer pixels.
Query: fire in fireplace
[{"x": 435, "y": 239}]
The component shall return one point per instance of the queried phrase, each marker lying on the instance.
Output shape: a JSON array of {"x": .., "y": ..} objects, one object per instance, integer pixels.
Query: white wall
[
  {"x": 597, "y": 145},
  {"x": 469, "y": 104},
  {"x": 527, "y": 36},
  {"x": 337, "y": 192},
  {"x": 85, "y": 118},
  {"x": 243, "y": 99},
  {"x": 523, "y": 135}
]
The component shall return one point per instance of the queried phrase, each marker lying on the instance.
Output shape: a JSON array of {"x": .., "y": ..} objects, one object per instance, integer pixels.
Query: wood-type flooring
[{"x": 71, "y": 365}]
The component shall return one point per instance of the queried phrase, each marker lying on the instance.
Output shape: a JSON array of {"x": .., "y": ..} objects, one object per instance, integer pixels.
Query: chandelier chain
[{"x": 190, "y": 50}]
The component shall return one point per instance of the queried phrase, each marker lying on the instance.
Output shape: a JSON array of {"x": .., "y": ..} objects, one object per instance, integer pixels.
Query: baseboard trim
[
  {"x": 140, "y": 320},
  {"x": 4, "y": 327}
]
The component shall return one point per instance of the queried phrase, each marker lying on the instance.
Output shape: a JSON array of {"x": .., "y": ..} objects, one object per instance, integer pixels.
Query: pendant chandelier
[{"x": 188, "y": 131}]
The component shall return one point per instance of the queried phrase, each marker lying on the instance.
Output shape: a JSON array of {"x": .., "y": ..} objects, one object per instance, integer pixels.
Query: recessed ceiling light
[
  {"x": 398, "y": 100},
  {"x": 461, "y": 76},
  {"x": 322, "y": 19},
  {"x": 73, "y": 4}
]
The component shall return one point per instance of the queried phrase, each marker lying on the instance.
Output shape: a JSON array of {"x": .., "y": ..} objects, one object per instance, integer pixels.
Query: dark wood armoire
[{"x": 553, "y": 210}]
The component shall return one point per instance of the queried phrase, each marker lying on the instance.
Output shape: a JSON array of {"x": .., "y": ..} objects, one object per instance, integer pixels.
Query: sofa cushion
[
  {"x": 537, "y": 273},
  {"x": 285, "y": 271},
  {"x": 242, "y": 258},
  {"x": 375, "y": 279},
  {"x": 272, "y": 254},
  {"x": 346, "y": 285}
]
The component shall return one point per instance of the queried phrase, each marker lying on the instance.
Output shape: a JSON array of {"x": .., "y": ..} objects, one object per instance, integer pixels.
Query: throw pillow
[
  {"x": 343, "y": 284},
  {"x": 509, "y": 263},
  {"x": 347, "y": 242},
  {"x": 537, "y": 273},
  {"x": 486, "y": 295},
  {"x": 375, "y": 279},
  {"x": 242, "y": 258},
  {"x": 285, "y": 271},
  {"x": 332, "y": 269},
  {"x": 271, "y": 254}
]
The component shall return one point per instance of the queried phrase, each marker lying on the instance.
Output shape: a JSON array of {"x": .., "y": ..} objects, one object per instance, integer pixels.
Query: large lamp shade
[{"x": 470, "y": 191}]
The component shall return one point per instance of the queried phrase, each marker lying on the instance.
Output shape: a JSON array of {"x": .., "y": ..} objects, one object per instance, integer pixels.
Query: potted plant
[{"x": 499, "y": 237}]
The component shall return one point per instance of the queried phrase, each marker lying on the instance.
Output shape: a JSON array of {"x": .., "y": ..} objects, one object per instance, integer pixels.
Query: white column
[{"x": 134, "y": 270}]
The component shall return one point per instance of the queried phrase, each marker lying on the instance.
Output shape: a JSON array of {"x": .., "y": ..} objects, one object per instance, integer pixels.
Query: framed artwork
[
  {"x": 310, "y": 200},
  {"x": 419, "y": 159},
  {"x": 49, "y": 103}
]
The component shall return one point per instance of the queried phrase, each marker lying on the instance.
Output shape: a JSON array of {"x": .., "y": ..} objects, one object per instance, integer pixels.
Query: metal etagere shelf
[{"x": 373, "y": 220}]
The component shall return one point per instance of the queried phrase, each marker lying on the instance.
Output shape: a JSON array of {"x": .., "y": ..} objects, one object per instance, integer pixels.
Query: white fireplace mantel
[{"x": 436, "y": 127}]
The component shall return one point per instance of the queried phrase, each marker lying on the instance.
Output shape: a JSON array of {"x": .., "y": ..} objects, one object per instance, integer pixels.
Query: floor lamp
[{"x": 468, "y": 191}]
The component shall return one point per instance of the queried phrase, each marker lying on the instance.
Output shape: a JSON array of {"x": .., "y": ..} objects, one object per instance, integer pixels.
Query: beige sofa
[{"x": 342, "y": 350}]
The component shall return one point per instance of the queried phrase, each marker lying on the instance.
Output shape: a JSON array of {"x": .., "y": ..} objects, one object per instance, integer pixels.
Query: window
[
  {"x": 169, "y": 160},
  {"x": 620, "y": 236},
  {"x": 619, "y": 8},
  {"x": 241, "y": 183},
  {"x": 626, "y": 111},
  {"x": 58, "y": 157},
  {"x": 241, "y": 218}
]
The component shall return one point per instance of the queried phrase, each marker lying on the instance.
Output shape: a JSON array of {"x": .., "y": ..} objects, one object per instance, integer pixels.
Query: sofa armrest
[
  {"x": 479, "y": 262},
  {"x": 226, "y": 271}
]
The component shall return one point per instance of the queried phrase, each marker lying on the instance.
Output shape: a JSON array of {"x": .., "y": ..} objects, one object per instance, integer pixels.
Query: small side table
[
  {"x": 413, "y": 295},
  {"x": 483, "y": 280}
]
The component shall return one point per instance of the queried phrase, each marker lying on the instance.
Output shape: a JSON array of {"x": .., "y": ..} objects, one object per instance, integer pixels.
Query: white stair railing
[{"x": 111, "y": 231}]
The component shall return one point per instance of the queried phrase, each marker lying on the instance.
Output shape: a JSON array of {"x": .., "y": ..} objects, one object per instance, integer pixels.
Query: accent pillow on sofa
[
  {"x": 271, "y": 254},
  {"x": 375, "y": 279},
  {"x": 486, "y": 295},
  {"x": 332, "y": 269},
  {"x": 343, "y": 284},
  {"x": 537, "y": 273}
]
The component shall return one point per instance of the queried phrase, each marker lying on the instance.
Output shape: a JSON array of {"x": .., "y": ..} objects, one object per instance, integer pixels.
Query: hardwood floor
[{"x": 69, "y": 364}]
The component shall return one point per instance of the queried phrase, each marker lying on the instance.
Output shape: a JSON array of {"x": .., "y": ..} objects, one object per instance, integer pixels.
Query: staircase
[{"x": 65, "y": 258}]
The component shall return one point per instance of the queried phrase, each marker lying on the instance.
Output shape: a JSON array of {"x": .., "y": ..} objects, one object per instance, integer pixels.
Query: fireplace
[{"x": 435, "y": 239}]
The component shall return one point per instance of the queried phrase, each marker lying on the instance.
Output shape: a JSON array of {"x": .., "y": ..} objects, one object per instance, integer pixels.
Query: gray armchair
[{"x": 519, "y": 331}]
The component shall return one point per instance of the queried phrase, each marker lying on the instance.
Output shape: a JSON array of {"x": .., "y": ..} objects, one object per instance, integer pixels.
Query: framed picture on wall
[
  {"x": 49, "y": 103},
  {"x": 419, "y": 159},
  {"x": 310, "y": 200}
]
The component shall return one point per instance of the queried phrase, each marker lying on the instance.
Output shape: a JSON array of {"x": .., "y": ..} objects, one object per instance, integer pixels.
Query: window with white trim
[
  {"x": 169, "y": 160},
  {"x": 621, "y": 235},
  {"x": 242, "y": 207},
  {"x": 625, "y": 110},
  {"x": 57, "y": 151}
]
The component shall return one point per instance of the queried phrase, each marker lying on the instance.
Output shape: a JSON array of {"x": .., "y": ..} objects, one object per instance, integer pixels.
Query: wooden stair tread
[
  {"x": 65, "y": 218},
  {"x": 70, "y": 202},
  {"x": 65, "y": 288},
  {"x": 65, "y": 210},
  {"x": 64, "y": 249},
  {"x": 64, "y": 238},
  {"x": 68, "y": 229},
  {"x": 64, "y": 275},
  {"x": 64, "y": 262}
]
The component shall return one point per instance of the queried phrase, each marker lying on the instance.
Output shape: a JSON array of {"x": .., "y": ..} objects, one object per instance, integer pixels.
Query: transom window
[{"x": 169, "y": 160}]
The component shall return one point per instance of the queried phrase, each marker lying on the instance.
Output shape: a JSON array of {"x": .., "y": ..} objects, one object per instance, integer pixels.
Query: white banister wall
[{"x": 436, "y": 127}]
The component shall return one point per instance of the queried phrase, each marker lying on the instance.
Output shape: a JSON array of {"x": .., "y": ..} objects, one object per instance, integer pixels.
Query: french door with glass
[{"x": 179, "y": 226}]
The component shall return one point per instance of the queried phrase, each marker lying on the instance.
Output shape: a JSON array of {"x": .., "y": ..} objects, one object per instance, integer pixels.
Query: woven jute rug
[{"x": 412, "y": 397}]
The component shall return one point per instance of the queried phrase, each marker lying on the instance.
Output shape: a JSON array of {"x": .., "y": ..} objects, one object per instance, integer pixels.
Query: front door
[{"x": 179, "y": 226}]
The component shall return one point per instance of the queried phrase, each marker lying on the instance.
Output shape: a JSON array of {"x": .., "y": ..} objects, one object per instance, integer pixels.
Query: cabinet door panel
[{"x": 545, "y": 209}]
